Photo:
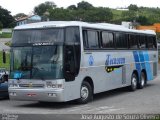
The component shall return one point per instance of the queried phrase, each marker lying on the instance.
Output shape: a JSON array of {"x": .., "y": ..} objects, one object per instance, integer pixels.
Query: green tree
[
  {"x": 44, "y": 7},
  {"x": 152, "y": 15},
  {"x": 133, "y": 7},
  {"x": 61, "y": 14},
  {"x": 84, "y": 5},
  {"x": 98, "y": 15},
  {"x": 1, "y": 25},
  {"x": 5, "y": 17},
  {"x": 79, "y": 14},
  {"x": 89, "y": 15},
  {"x": 72, "y": 7},
  {"x": 128, "y": 15},
  {"x": 143, "y": 20}
]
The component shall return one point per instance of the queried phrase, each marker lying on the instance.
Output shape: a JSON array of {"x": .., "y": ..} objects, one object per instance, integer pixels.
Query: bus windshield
[
  {"x": 37, "y": 62},
  {"x": 51, "y": 35}
]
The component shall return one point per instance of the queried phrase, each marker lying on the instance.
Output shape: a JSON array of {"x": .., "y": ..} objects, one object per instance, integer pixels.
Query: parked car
[
  {"x": 3, "y": 82},
  {"x": 3, "y": 74}
]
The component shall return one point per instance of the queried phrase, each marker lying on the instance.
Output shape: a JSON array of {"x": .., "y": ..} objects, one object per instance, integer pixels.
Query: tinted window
[
  {"x": 38, "y": 36},
  {"x": 107, "y": 40},
  {"x": 121, "y": 40},
  {"x": 90, "y": 39},
  {"x": 142, "y": 42},
  {"x": 85, "y": 39},
  {"x": 154, "y": 42},
  {"x": 133, "y": 42},
  {"x": 151, "y": 41},
  {"x": 72, "y": 35},
  {"x": 93, "y": 39}
]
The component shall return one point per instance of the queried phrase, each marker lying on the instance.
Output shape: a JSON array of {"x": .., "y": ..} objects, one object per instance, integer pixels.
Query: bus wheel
[
  {"x": 133, "y": 82},
  {"x": 86, "y": 93},
  {"x": 142, "y": 80}
]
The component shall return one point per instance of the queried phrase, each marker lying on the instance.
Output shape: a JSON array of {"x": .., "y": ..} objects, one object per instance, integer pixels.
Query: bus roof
[{"x": 105, "y": 26}]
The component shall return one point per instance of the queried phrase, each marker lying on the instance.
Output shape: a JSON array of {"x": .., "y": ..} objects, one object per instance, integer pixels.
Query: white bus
[{"x": 61, "y": 61}]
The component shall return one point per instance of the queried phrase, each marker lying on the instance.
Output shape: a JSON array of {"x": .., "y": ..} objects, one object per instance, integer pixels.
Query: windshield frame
[
  {"x": 76, "y": 44},
  {"x": 19, "y": 48}
]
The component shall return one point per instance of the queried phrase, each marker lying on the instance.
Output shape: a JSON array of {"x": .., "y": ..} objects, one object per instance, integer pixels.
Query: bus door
[{"x": 116, "y": 70}]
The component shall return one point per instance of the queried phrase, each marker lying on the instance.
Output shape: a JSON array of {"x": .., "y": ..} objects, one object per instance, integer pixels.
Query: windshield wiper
[{"x": 37, "y": 71}]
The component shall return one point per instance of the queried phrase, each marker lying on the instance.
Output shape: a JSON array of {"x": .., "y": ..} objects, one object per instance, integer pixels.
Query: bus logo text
[{"x": 114, "y": 61}]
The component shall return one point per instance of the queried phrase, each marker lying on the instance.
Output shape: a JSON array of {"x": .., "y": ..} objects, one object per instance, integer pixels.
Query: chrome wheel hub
[
  {"x": 84, "y": 92},
  {"x": 134, "y": 81},
  {"x": 142, "y": 81}
]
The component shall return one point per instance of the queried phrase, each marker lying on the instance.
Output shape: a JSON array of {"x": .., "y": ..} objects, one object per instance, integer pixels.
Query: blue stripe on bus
[
  {"x": 147, "y": 65},
  {"x": 137, "y": 64},
  {"x": 142, "y": 60},
  {"x": 143, "y": 57}
]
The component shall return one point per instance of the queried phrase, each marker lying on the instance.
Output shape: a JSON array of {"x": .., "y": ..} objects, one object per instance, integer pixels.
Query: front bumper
[{"x": 56, "y": 95}]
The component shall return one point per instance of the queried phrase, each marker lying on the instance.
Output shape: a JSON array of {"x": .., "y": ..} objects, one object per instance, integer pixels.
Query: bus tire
[
  {"x": 134, "y": 80},
  {"x": 86, "y": 93},
  {"x": 142, "y": 81}
]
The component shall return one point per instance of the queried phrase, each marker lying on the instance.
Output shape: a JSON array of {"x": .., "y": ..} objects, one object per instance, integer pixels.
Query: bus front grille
[{"x": 32, "y": 85}]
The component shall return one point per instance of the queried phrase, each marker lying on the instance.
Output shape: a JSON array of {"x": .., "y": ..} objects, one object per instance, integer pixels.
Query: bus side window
[
  {"x": 154, "y": 42},
  {"x": 72, "y": 35},
  {"x": 142, "y": 42},
  {"x": 90, "y": 39},
  {"x": 93, "y": 39},
  {"x": 133, "y": 42},
  {"x": 85, "y": 39},
  {"x": 107, "y": 40},
  {"x": 151, "y": 40},
  {"x": 121, "y": 40},
  {"x": 137, "y": 40}
]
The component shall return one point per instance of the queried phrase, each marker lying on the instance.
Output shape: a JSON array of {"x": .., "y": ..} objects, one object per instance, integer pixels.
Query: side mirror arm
[{"x": 4, "y": 57}]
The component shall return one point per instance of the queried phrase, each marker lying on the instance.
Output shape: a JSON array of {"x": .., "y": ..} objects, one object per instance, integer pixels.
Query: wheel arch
[
  {"x": 90, "y": 81},
  {"x": 146, "y": 79},
  {"x": 144, "y": 71},
  {"x": 136, "y": 73}
]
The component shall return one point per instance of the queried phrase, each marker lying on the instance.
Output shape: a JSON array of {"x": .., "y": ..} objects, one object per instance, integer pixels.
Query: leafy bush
[
  {"x": 1, "y": 25},
  {"x": 6, "y": 35},
  {"x": 7, "y": 64}
]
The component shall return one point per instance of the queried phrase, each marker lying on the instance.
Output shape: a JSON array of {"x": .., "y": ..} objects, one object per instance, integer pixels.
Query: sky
[{"x": 27, "y": 6}]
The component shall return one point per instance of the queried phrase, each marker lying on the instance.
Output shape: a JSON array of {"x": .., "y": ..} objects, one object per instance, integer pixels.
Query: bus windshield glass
[
  {"x": 38, "y": 62},
  {"x": 38, "y": 36}
]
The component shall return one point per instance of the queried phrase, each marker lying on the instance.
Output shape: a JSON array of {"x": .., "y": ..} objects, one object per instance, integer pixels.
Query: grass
[
  {"x": 8, "y": 43},
  {"x": 117, "y": 15},
  {"x": 7, "y": 64},
  {"x": 6, "y": 35}
]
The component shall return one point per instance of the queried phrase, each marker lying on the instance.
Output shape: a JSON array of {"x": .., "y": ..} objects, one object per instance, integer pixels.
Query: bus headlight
[
  {"x": 52, "y": 94},
  {"x": 12, "y": 94},
  {"x": 55, "y": 84},
  {"x": 13, "y": 85},
  {"x": 49, "y": 84}
]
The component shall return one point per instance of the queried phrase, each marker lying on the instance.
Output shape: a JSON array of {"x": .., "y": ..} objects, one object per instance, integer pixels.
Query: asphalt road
[
  {"x": 2, "y": 43},
  {"x": 119, "y": 101}
]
